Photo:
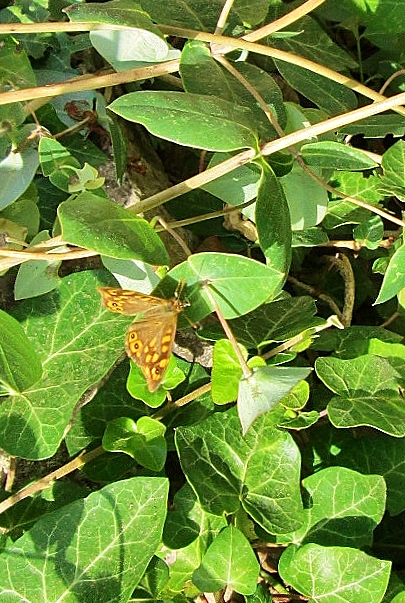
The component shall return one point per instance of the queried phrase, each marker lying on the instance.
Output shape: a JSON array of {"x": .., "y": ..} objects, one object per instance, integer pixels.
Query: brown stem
[{"x": 44, "y": 482}]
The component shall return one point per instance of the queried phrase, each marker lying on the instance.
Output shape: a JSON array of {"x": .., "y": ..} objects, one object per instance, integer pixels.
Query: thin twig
[
  {"x": 175, "y": 236},
  {"x": 165, "y": 410},
  {"x": 44, "y": 482},
  {"x": 315, "y": 293},
  {"x": 247, "y": 372}
]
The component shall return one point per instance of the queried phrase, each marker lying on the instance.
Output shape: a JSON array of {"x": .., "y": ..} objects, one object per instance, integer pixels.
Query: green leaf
[
  {"x": 112, "y": 401},
  {"x": 86, "y": 178},
  {"x": 309, "y": 237},
  {"x": 311, "y": 41},
  {"x": 190, "y": 530},
  {"x": 10, "y": 230},
  {"x": 235, "y": 187},
  {"x": 138, "y": 388},
  {"x": 196, "y": 14},
  {"x": 302, "y": 420},
  {"x": 37, "y": 277},
  {"x": 385, "y": 19},
  {"x": 144, "y": 441},
  {"x": 202, "y": 74},
  {"x": 116, "y": 12},
  {"x": 307, "y": 199},
  {"x": 335, "y": 155},
  {"x": 57, "y": 163},
  {"x": 182, "y": 526},
  {"x": 132, "y": 47},
  {"x": 370, "y": 232},
  {"x": 193, "y": 120},
  {"x": 393, "y": 164},
  {"x": 132, "y": 274},
  {"x": 153, "y": 581},
  {"x": 119, "y": 145},
  {"x": 273, "y": 223},
  {"x": 367, "y": 392},
  {"x": 260, "y": 393},
  {"x": 328, "y": 95},
  {"x": 102, "y": 226},
  {"x": 16, "y": 173},
  {"x": 253, "y": 12},
  {"x": 298, "y": 396},
  {"x": 16, "y": 70},
  {"x": 229, "y": 561},
  {"x": 20, "y": 365},
  {"x": 381, "y": 455},
  {"x": 259, "y": 472},
  {"x": 355, "y": 341},
  {"x": 394, "y": 277},
  {"x": 237, "y": 284},
  {"x": 226, "y": 372},
  {"x": 376, "y": 126},
  {"x": 69, "y": 329},
  {"x": 101, "y": 546},
  {"x": 277, "y": 321},
  {"x": 352, "y": 575},
  {"x": 345, "y": 508},
  {"x": 25, "y": 212}
]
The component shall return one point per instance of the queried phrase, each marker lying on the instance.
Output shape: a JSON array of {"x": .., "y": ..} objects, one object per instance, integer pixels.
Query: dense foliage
[{"x": 243, "y": 160}]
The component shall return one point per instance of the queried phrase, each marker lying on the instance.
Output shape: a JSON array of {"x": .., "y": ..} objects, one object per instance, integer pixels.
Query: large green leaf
[
  {"x": 394, "y": 277},
  {"x": 345, "y": 508},
  {"x": 351, "y": 574},
  {"x": 307, "y": 199},
  {"x": 116, "y": 12},
  {"x": 238, "y": 284},
  {"x": 197, "y": 14},
  {"x": 16, "y": 173},
  {"x": 193, "y": 120},
  {"x": 202, "y": 74},
  {"x": 77, "y": 341},
  {"x": 368, "y": 392},
  {"x": 15, "y": 68},
  {"x": 310, "y": 41},
  {"x": 190, "y": 530},
  {"x": 95, "y": 549},
  {"x": 393, "y": 164},
  {"x": 95, "y": 223},
  {"x": 259, "y": 472},
  {"x": 276, "y": 321}
]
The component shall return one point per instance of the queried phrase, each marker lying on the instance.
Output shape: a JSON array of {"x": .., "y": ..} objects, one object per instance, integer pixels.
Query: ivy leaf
[
  {"x": 352, "y": 575},
  {"x": 367, "y": 392},
  {"x": 229, "y": 561},
  {"x": 111, "y": 536},
  {"x": 259, "y": 472},
  {"x": 77, "y": 341}
]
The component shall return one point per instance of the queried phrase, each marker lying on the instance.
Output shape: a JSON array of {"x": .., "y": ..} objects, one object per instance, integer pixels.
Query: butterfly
[{"x": 149, "y": 339}]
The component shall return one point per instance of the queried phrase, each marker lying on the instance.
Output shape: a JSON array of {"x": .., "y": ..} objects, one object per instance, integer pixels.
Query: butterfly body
[{"x": 149, "y": 339}]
